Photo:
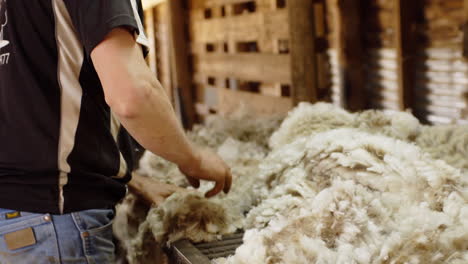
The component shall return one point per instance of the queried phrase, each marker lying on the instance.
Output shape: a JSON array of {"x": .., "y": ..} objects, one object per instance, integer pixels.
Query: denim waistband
[{"x": 4, "y": 212}]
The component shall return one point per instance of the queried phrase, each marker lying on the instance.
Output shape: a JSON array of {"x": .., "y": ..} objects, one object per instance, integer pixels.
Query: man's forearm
[{"x": 156, "y": 127}]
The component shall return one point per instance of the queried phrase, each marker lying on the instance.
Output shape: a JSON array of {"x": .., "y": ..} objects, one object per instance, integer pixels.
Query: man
[{"x": 73, "y": 81}]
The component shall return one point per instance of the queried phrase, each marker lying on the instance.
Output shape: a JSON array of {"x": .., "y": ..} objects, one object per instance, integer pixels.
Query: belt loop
[{"x": 78, "y": 222}]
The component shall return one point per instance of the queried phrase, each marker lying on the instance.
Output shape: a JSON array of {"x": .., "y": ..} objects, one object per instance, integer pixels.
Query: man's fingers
[
  {"x": 218, "y": 188},
  {"x": 194, "y": 182},
  {"x": 228, "y": 183}
]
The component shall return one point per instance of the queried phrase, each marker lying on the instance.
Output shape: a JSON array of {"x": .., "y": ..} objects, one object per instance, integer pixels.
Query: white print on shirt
[{"x": 4, "y": 58}]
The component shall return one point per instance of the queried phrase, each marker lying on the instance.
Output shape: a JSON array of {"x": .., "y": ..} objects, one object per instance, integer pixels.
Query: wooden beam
[
  {"x": 164, "y": 47},
  {"x": 465, "y": 30},
  {"x": 212, "y": 3},
  {"x": 256, "y": 104},
  {"x": 350, "y": 53},
  {"x": 465, "y": 111},
  {"x": 180, "y": 53},
  {"x": 254, "y": 26},
  {"x": 302, "y": 49},
  {"x": 247, "y": 66},
  {"x": 405, "y": 45}
]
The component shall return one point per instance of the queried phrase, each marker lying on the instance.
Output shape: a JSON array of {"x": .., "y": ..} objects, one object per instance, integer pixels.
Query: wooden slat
[
  {"x": 163, "y": 47},
  {"x": 195, "y": 4},
  {"x": 260, "y": 105},
  {"x": 249, "y": 67},
  {"x": 465, "y": 111},
  {"x": 465, "y": 30},
  {"x": 350, "y": 54},
  {"x": 319, "y": 14},
  {"x": 266, "y": 5},
  {"x": 405, "y": 44},
  {"x": 255, "y": 26},
  {"x": 270, "y": 89},
  {"x": 303, "y": 51},
  {"x": 181, "y": 70},
  {"x": 323, "y": 71}
]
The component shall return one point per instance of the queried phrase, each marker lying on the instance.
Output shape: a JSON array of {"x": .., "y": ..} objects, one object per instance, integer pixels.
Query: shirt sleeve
[{"x": 94, "y": 19}]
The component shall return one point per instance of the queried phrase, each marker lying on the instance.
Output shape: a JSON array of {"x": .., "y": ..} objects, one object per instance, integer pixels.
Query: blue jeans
[{"x": 83, "y": 237}]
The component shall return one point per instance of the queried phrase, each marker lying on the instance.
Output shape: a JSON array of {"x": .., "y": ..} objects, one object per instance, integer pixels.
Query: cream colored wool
[
  {"x": 162, "y": 170},
  {"x": 449, "y": 143},
  {"x": 359, "y": 194},
  {"x": 189, "y": 215},
  {"x": 242, "y": 142},
  {"x": 308, "y": 119},
  {"x": 370, "y": 199},
  {"x": 399, "y": 125},
  {"x": 241, "y": 126}
]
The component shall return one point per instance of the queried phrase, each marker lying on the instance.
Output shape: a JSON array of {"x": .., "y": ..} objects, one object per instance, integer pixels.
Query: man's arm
[{"x": 142, "y": 105}]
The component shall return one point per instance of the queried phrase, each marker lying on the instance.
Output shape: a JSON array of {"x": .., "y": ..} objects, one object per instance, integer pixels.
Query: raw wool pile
[
  {"x": 189, "y": 215},
  {"x": 308, "y": 119},
  {"x": 448, "y": 142},
  {"x": 242, "y": 142},
  {"x": 347, "y": 196},
  {"x": 240, "y": 126}
]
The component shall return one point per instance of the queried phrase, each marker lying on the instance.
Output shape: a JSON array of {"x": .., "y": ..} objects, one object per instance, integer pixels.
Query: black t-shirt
[{"x": 61, "y": 148}]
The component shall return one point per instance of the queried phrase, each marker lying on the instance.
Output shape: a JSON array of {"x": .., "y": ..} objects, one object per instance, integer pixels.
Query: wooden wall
[
  {"x": 441, "y": 72},
  {"x": 249, "y": 53},
  {"x": 384, "y": 54},
  {"x": 240, "y": 53}
]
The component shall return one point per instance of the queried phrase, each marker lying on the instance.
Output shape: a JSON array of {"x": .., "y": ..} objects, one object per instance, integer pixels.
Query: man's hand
[
  {"x": 141, "y": 104},
  {"x": 152, "y": 191},
  {"x": 208, "y": 166}
]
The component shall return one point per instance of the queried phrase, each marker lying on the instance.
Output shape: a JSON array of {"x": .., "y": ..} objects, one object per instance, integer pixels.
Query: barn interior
[{"x": 344, "y": 122}]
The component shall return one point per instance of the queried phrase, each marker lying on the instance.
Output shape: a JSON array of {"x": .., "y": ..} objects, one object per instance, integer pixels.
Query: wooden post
[
  {"x": 405, "y": 46},
  {"x": 303, "y": 53},
  {"x": 349, "y": 47},
  {"x": 181, "y": 69},
  {"x": 164, "y": 47},
  {"x": 150, "y": 30},
  {"x": 465, "y": 31}
]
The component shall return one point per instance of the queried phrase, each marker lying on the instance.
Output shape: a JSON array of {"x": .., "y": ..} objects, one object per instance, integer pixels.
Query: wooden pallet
[
  {"x": 241, "y": 55},
  {"x": 441, "y": 73}
]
